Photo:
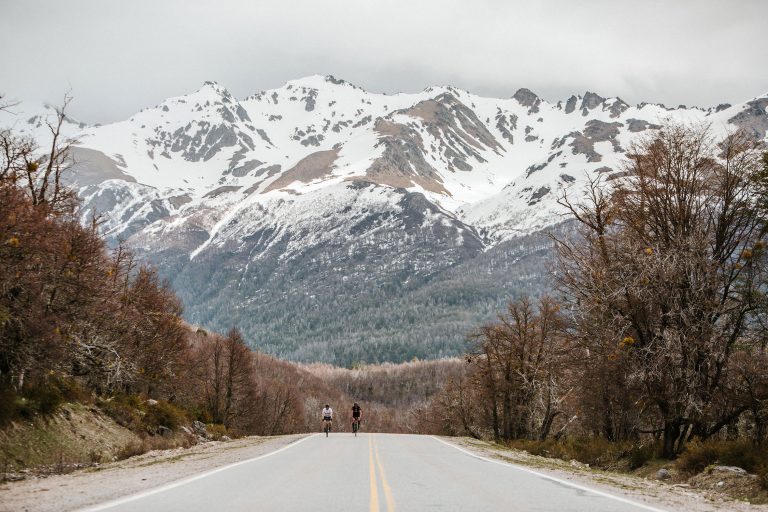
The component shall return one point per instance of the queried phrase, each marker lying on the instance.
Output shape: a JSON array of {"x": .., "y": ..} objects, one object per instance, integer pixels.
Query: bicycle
[
  {"x": 327, "y": 427},
  {"x": 355, "y": 425}
]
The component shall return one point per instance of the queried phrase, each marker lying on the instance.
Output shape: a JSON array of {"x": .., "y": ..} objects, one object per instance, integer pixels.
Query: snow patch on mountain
[{"x": 499, "y": 165}]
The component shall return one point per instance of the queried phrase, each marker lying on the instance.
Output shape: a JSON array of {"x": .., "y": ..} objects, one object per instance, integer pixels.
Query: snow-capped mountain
[{"x": 324, "y": 219}]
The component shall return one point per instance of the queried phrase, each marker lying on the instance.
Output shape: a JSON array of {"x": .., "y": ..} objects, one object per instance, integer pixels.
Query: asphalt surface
[{"x": 375, "y": 473}]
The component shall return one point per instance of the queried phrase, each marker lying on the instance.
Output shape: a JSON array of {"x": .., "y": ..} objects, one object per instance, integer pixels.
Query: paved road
[{"x": 374, "y": 473}]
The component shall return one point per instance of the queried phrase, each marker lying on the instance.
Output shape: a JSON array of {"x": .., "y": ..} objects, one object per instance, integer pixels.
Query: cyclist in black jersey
[{"x": 357, "y": 414}]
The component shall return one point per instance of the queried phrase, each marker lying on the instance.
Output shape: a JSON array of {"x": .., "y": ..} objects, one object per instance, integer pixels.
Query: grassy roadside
[
  {"x": 77, "y": 435},
  {"x": 719, "y": 481},
  {"x": 74, "y": 436}
]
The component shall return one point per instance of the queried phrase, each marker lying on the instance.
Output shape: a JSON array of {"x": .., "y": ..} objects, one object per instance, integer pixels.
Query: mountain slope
[{"x": 335, "y": 224}]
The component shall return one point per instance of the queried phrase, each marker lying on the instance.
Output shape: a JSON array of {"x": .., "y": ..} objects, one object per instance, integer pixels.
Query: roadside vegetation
[
  {"x": 84, "y": 323},
  {"x": 653, "y": 344}
]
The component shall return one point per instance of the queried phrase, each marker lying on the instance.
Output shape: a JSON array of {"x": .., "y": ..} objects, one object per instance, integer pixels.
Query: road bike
[
  {"x": 355, "y": 425},
  {"x": 327, "y": 427}
]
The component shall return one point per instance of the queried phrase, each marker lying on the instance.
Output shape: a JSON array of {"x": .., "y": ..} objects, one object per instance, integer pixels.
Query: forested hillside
[
  {"x": 308, "y": 311},
  {"x": 84, "y": 324}
]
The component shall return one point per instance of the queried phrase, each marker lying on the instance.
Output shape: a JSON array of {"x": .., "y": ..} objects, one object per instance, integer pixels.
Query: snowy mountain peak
[
  {"x": 318, "y": 82},
  {"x": 497, "y": 164},
  {"x": 277, "y": 196},
  {"x": 210, "y": 91}
]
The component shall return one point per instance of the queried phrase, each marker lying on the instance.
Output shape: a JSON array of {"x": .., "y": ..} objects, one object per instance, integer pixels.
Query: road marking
[
  {"x": 552, "y": 478},
  {"x": 387, "y": 490},
  {"x": 374, "y": 505},
  {"x": 179, "y": 483}
]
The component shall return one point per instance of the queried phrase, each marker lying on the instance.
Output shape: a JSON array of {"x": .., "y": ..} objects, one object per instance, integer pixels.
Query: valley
[{"x": 334, "y": 224}]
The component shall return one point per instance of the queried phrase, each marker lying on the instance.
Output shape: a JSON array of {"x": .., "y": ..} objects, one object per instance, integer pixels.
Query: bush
[
  {"x": 762, "y": 475},
  {"x": 8, "y": 408},
  {"x": 163, "y": 414},
  {"x": 597, "y": 451},
  {"x": 71, "y": 390},
  {"x": 149, "y": 443},
  {"x": 639, "y": 455},
  {"x": 216, "y": 431},
  {"x": 698, "y": 455},
  {"x": 44, "y": 399},
  {"x": 124, "y": 409},
  {"x": 131, "y": 449},
  {"x": 133, "y": 413},
  {"x": 743, "y": 454}
]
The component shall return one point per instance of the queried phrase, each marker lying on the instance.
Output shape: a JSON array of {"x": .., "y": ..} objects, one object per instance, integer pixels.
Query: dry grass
[
  {"x": 744, "y": 454},
  {"x": 597, "y": 452},
  {"x": 150, "y": 443}
]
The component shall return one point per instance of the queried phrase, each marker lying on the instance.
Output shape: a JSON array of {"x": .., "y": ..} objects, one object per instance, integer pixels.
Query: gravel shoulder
[
  {"x": 141, "y": 473},
  {"x": 651, "y": 492}
]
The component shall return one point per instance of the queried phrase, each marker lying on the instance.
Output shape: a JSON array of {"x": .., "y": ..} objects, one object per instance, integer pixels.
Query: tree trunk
[
  {"x": 507, "y": 415},
  {"x": 671, "y": 435},
  {"x": 495, "y": 420}
]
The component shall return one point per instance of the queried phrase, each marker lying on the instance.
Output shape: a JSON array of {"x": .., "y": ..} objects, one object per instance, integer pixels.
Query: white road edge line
[
  {"x": 185, "y": 481},
  {"x": 552, "y": 478}
]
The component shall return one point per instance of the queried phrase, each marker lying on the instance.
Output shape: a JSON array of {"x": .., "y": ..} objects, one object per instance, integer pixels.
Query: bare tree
[
  {"x": 518, "y": 368},
  {"x": 664, "y": 274},
  {"x": 40, "y": 172}
]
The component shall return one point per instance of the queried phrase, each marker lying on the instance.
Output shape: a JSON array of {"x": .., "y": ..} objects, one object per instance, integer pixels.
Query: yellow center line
[
  {"x": 384, "y": 484},
  {"x": 374, "y": 507}
]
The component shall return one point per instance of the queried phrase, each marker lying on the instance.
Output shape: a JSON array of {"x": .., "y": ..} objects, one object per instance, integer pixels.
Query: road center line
[
  {"x": 374, "y": 504},
  {"x": 184, "y": 481},
  {"x": 384, "y": 484},
  {"x": 552, "y": 478}
]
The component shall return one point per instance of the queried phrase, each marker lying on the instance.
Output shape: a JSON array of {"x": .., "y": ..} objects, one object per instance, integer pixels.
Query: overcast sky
[{"x": 120, "y": 56}]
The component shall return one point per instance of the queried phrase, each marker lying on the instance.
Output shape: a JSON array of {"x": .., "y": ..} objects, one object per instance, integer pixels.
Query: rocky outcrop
[
  {"x": 595, "y": 131},
  {"x": 506, "y": 124},
  {"x": 199, "y": 428},
  {"x": 402, "y": 163},
  {"x": 589, "y": 102},
  {"x": 309, "y": 100},
  {"x": 570, "y": 105},
  {"x": 460, "y": 133},
  {"x": 639, "y": 125},
  {"x": 527, "y": 98},
  {"x": 538, "y": 195},
  {"x": 617, "y": 107},
  {"x": 753, "y": 120},
  {"x": 310, "y": 168}
]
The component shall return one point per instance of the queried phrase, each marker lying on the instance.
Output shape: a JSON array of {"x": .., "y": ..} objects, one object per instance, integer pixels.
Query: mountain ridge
[{"x": 323, "y": 189}]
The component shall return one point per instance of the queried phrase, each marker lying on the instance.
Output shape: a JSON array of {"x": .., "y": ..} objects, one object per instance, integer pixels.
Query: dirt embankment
[{"x": 75, "y": 436}]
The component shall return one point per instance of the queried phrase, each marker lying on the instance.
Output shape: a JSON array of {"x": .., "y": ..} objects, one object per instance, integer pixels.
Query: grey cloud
[{"x": 118, "y": 57}]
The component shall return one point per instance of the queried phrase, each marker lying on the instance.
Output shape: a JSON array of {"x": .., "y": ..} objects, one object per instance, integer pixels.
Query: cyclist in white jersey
[{"x": 328, "y": 416}]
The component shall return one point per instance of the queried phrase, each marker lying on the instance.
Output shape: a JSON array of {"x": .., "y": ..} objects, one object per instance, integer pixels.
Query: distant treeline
[{"x": 393, "y": 396}]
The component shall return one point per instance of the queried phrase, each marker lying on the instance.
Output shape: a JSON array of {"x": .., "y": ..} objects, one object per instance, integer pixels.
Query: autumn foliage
[{"x": 659, "y": 334}]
